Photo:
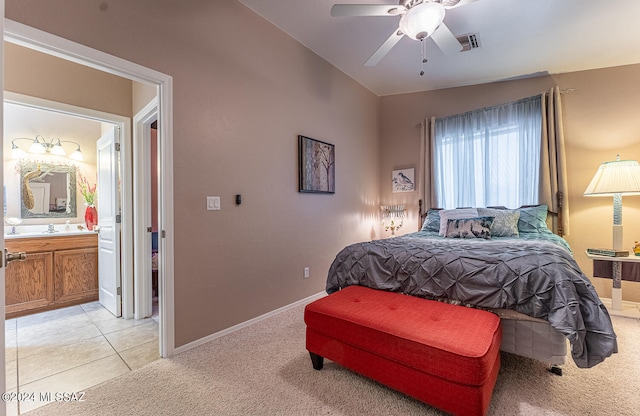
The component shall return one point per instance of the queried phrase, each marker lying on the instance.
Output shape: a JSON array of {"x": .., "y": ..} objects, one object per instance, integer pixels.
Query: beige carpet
[{"x": 265, "y": 370}]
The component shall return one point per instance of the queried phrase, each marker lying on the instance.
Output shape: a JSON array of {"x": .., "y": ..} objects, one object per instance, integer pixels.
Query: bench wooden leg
[{"x": 317, "y": 361}]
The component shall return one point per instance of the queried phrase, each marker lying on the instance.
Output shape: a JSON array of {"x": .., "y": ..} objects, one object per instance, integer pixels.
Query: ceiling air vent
[{"x": 469, "y": 41}]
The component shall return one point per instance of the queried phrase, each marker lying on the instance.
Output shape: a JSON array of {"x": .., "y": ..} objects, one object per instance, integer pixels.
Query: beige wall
[
  {"x": 31, "y": 73},
  {"x": 243, "y": 91},
  {"x": 600, "y": 121},
  {"x": 142, "y": 95}
]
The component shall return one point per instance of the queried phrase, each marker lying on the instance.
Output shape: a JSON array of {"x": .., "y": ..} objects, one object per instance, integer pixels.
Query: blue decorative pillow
[
  {"x": 533, "y": 219},
  {"x": 447, "y": 214},
  {"x": 478, "y": 227},
  {"x": 505, "y": 223},
  {"x": 432, "y": 220}
]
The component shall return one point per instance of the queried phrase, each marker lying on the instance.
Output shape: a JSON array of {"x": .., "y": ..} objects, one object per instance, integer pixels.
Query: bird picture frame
[{"x": 403, "y": 180}]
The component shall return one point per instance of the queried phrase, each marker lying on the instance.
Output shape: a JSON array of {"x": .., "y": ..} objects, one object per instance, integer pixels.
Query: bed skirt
[{"x": 531, "y": 337}]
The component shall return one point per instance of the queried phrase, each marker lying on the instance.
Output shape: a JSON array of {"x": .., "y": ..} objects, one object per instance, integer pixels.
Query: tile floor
[{"x": 72, "y": 349}]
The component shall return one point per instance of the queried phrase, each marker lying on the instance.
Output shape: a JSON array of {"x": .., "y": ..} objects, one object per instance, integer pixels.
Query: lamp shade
[
  {"x": 77, "y": 154},
  {"x": 37, "y": 147},
  {"x": 16, "y": 152},
  {"x": 420, "y": 21},
  {"x": 617, "y": 177},
  {"x": 57, "y": 149}
]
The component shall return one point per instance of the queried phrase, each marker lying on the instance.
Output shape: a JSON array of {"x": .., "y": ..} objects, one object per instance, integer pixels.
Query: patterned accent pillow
[
  {"x": 448, "y": 214},
  {"x": 505, "y": 223},
  {"x": 432, "y": 220},
  {"x": 479, "y": 227},
  {"x": 533, "y": 219}
]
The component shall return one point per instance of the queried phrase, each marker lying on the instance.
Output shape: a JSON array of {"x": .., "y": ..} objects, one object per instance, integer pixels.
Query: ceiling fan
[{"x": 419, "y": 19}]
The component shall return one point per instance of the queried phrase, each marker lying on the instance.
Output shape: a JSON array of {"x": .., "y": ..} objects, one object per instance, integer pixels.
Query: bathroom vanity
[{"x": 61, "y": 269}]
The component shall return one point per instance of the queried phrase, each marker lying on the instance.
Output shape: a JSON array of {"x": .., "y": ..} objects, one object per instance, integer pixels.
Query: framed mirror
[{"x": 47, "y": 190}]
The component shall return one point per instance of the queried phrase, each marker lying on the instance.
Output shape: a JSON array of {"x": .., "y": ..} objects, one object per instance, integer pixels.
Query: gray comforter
[{"x": 534, "y": 275}]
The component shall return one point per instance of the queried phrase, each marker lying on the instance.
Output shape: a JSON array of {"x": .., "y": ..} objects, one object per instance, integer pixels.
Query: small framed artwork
[
  {"x": 317, "y": 162},
  {"x": 402, "y": 180}
]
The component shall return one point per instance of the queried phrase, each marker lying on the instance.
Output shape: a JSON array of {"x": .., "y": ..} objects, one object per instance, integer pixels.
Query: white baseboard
[
  {"x": 628, "y": 310},
  {"x": 245, "y": 324}
]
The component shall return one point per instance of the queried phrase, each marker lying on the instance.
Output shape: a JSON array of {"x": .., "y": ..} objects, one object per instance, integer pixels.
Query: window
[{"x": 489, "y": 157}]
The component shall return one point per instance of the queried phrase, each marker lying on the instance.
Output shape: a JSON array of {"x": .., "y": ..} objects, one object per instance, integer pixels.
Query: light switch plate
[{"x": 213, "y": 203}]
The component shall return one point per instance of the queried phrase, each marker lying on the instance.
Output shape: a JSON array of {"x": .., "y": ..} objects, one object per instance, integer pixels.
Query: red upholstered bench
[{"x": 442, "y": 354}]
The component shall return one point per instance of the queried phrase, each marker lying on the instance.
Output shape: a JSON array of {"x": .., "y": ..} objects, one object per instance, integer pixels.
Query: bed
[{"x": 506, "y": 261}]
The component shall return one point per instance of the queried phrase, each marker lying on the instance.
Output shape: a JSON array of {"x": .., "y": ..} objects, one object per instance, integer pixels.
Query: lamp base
[
  {"x": 616, "y": 298},
  {"x": 617, "y": 237}
]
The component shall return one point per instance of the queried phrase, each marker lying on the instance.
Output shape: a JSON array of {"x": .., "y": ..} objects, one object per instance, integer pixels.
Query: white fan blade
[
  {"x": 367, "y": 10},
  {"x": 445, "y": 40},
  {"x": 384, "y": 48},
  {"x": 452, "y": 4}
]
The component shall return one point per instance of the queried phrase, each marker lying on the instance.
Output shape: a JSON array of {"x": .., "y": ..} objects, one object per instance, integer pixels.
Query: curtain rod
[{"x": 563, "y": 90}]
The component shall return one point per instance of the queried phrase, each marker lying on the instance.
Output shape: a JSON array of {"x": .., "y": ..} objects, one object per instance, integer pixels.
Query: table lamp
[{"x": 616, "y": 178}]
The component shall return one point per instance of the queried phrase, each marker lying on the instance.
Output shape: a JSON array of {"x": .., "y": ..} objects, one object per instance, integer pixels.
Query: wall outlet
[{"x": 306, "y": 272}]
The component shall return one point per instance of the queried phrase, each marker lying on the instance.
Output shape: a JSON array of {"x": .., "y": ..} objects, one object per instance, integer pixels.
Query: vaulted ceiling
[{"x": 517, "y": 38}]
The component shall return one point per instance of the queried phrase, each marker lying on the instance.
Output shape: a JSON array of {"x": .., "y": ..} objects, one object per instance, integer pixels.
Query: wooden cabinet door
[
  {"x": 76, "y": 274},
  {"x": 29, "y": 283}
]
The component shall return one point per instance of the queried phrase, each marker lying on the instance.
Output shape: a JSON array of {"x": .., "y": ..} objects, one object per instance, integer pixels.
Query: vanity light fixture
[{"x": 40, "y": 145}]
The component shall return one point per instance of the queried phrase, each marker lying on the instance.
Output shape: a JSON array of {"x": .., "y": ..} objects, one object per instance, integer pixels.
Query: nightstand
[{"x": 632, "y": 272}]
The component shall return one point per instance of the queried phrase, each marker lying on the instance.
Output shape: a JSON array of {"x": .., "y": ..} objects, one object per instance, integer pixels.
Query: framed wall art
[
  {"x": 402, "y": 180},
  {"x": 317, "y": 162}
]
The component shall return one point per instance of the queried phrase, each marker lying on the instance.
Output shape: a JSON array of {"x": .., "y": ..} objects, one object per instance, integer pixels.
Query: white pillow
[{"x": 450, "y": 214}]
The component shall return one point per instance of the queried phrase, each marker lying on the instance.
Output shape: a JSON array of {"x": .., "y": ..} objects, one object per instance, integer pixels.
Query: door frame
[
  {"x": 3, "y": 367},
  {"x": 36, "y": 39},
  {"x": 142, "y": 207}
]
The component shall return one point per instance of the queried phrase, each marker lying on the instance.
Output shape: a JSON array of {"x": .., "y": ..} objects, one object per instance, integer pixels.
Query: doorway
[
  {"x": 44, "y": 349},
  {"x": 53, "y": 45},
  {"x": 29, "y": 117}
]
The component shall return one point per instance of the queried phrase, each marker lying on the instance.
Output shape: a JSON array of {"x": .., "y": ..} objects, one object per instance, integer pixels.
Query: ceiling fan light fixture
[{"x": 420, "y": 21}]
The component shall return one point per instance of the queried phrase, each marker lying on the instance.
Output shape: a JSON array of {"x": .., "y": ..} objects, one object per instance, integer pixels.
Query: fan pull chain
[{"x": 423, "y": 48}]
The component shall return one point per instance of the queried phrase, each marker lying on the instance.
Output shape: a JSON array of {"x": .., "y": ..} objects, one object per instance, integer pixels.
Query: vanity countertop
[{"x": 39, "y": 234}]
